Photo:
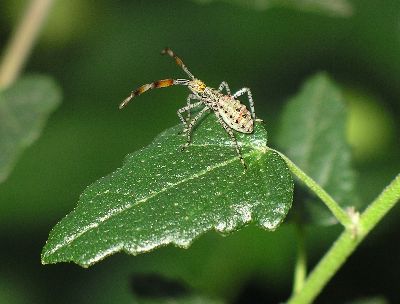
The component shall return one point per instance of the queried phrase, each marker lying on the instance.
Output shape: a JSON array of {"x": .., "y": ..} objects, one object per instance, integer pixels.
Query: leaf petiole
[{"x": 333, "y": 206}]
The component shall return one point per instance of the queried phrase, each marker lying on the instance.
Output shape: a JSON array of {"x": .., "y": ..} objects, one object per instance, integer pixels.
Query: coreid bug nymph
[{"x": 231, "y": 114}]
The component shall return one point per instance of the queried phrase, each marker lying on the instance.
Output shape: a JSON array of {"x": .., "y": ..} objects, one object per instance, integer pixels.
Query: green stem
[
  {"x": 333, "y": 206},
  {"x": 300, "y": 270},
  {"x": 22, "y": 41},
  {"x": 380, "y": 206},
  {"x": 347, "y": 243}
]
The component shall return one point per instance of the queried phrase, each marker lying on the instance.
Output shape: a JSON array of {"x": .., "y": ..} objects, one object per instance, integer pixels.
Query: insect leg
[
  {"x": 191, "y": 125},
  {"x": 225, "y": 85},
  {"x": 250, "y": 97},
  {"x": 187, "y": 108},
  {"x": 233, "y": 138},
  {"x": 190, "y": 97}
]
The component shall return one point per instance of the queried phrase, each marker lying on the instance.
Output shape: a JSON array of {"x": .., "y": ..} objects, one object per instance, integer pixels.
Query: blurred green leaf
[
  {"x": 162, "y": 195},
  {"x": 24, "y": 109},
  {"x": 313, "y": 136},
  {"x": 340, "y": 8}
]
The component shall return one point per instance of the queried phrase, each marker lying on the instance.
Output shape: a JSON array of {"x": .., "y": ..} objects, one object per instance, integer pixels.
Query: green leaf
[
  {"x": 24, "y": 109},
  {"x": 313, "y": 137},
  {"x": 339, "y": 8},
  {"x": 163, "y": 196}
]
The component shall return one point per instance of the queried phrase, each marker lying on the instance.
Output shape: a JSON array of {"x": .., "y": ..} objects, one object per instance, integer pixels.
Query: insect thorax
[{"x": 197, "y": 86}]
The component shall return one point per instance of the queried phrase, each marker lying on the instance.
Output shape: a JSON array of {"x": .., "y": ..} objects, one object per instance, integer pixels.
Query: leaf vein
[{"x": 71, "y": 238}]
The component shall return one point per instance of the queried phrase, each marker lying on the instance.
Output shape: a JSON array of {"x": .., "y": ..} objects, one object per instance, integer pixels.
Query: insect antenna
[
  {"x": 177, "y": 60},
  {"x": 164, "y": 83}
]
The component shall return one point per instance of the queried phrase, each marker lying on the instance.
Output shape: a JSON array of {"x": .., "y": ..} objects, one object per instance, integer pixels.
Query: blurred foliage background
[{"x": 99, "y": 51}]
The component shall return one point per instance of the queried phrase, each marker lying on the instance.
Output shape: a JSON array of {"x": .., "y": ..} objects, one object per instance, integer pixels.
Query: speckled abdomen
[{"x": 235, "y": 114}]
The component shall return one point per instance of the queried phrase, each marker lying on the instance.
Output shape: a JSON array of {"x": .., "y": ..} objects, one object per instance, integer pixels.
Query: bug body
[
  {"x": 234, "y": 113},
  {"x": 231, "y": 114}
]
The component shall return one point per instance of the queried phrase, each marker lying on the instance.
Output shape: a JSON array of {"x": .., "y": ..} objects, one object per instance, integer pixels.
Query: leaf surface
[
  {"x": 24, "y": 109},
  {"x": 313, "y": 136},
  {"x": 162, "y": 196}
]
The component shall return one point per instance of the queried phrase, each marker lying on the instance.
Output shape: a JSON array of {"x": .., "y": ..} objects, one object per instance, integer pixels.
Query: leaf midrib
[
  {"x": 311, "y": 125},
  {"x": 69, "y": 239}
]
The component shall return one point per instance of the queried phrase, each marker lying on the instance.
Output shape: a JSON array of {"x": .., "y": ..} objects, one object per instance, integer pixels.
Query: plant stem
[
  {"x": 22, "y": 40},
  {"x": 380, "y": 206},
  {"x": 333, "y": 206},
  {"x": 300, "y": 270},
  {"x": 347, "y": 243}
]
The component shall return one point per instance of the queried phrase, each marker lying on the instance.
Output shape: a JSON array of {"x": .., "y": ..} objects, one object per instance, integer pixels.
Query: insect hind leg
[
  {"x": 233, "y": 138},
  {"x": 225, "y": 85},
  {"x": 250, "y": 98}
]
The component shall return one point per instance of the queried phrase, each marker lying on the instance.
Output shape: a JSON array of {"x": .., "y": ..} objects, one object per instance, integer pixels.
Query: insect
[{"x": 231, "y": 114}]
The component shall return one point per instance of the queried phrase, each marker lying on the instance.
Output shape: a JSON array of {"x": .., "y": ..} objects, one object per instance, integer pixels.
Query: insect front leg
[
  {"x": 188, "y": 99},
  {"x": 250, "y": 97},
  {"x": 233, "y": 138},
  {"x": 187, "y": 109},
  {"x": 190, "y": 126},
  {"x": 225, "y": 85}
]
